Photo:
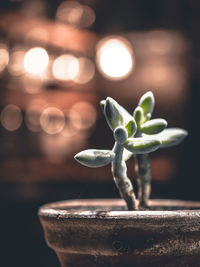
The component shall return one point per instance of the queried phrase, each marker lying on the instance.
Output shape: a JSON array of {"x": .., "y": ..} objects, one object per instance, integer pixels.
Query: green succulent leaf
[
  {"x": 95, "y": 157},
  {"x": 148, "y": 116},
  {"x": 113, "y": 113},
  {"x": 142, "y": 145},
  {"x": 171, "y": 137},
  {"x": 127, "y": 154},
  {"x": 153, "y": 126},
  {"x": 131, "y": 127},
  {"x": 138, "y": 115},
  {"x": 147, "y": 103},
  {"x": 126, "y": 115},
  {"x": 120, "y": 134},
  {"x": 102, "y": 105}
]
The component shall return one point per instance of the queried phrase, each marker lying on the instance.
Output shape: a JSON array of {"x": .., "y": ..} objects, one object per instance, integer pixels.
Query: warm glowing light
[
  {"x": 83, "y": 115},
  {"x": 16, "y": 66},
  {"x": 74, "y": 13},
  {"x": 69, "y": 130},
  {"x": 52, "y": 120},
  {"x": 114, "y": 57},
  {"x": 11, "y": 117},
  {"x": 36, "y": 60},
  {"x": 161, "y": 76},
  {"x": 32, "y": 84},
  {"x": 33, "y": 112},
  {"x": 37, "y": 33},
  {"x": 65, "y": 67},
  {"x": 4, "y": 57},
  {"x": 159, "y": 42},
  {"x": 86, "y": 70}
]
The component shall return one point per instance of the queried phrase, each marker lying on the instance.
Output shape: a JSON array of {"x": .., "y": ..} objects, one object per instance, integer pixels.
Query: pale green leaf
[
  {"x": 138, "y": 115},
  {"x": 113, "y": 113},
  {"x": 171, "y": 137},
  {"x": 153, "y": 126},
  {"x": 124, "y": 113},
  {"x": 142, "y": 145},
  {"x": 131, "y": 127},
  {"x": 102, "y": 105},
  {"x": 95, "y": 157},
  {"x": 147, "y": 103}
]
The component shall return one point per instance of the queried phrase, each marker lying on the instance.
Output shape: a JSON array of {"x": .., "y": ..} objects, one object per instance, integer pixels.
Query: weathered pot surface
[{"x": 103, "y": 233}]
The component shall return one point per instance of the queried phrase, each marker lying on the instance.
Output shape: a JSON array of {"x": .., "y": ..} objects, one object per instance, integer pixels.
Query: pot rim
[{"x": 71, "y": 209}]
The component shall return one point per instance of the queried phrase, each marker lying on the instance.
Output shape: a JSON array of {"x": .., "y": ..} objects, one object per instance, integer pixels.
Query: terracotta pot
[{"x": 102, "y": 233}]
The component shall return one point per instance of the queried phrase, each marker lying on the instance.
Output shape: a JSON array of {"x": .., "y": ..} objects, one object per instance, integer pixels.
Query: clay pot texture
[{"x": 102, "y": 233}]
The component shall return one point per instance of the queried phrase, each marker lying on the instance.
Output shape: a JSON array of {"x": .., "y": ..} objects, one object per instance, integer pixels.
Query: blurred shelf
[
  {"x": 65, "y": 99},
  {"x": 40, "y": 170},
  {"x": 17, "y": 26}
]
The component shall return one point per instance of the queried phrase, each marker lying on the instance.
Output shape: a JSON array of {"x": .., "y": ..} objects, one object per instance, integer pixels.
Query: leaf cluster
[{"x": 138, "y": 134}]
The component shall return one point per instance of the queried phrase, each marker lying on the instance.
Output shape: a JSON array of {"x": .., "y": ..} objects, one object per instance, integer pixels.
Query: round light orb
[
  {"x": 11, "y": 117},
  {"x": 83, "y": 115},
  {"x": 114, "y": 57},
  {"x": 36, "y": 60},
  {"x": 65, "y": 67},
  {"x": 52, "y": 120},
  {"x": 4, "y": 57},
  {"x": 16, "y": 66},
  {"x": 86, "y": 71},
  {"x": 75, "y": 14}
]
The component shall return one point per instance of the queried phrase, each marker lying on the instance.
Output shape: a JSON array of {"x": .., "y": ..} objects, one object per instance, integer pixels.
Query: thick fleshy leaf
[
  {"x": 138, "y": 115},
  {"x": 148, "y": 116},
  {"x": 95, "y": 157},
  {"x": 120, "y": 134},
  {"x": 127, "y": 154},
  {"x": 153, "y": 126},
  {"x": 131, "y": 127},
  {"x": 147, "y": 102},
  {"x": 125, "y": 114},
  {"x": 171, "y": 137},
  {"x": 113, "y": 113},
  {"x": 142, "y": 145},
  {"x": 102, "y": 105}
]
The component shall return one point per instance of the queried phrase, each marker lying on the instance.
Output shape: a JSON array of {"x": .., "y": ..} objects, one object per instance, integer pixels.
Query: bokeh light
[
  {"x": 159, "y": 42},
  {"x": 4, "y": 57},
  {"x": 65, "y": 67},
  {"x": 86, "y": 71},
  {"x": 33, "y": 113},
  {"x": 36, "y": 60},
  {"x": 37, "y": 33},
  {"x": 11, "y": 117},
  {"x": 114, "y": 57},
  {"x": 32, "y": 84},
  {"x": 52, "y": 120},
  {"x": 83, "y": 115},
  {"x": 16, "y": 66},
  {"x": 75, "y": 14}
]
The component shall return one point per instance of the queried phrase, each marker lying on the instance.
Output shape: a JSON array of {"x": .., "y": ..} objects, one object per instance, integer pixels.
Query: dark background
[{"x": 28, "y": 179}]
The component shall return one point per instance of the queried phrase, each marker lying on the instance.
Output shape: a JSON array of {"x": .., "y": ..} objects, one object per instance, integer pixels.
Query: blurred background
[{"x": 58, "y": 59}]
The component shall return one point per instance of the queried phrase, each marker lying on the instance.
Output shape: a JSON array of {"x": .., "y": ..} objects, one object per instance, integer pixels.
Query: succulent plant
[
  {"x": 134, "y": 135},
  {"x": 124, "y": 128},
  {"x": 155, "y": 129}
]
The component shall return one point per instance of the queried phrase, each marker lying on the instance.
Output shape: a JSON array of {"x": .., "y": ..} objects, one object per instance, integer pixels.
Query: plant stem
[
  {"x": 143, "y": 172},
  {"x": 123, "y": 183}
]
